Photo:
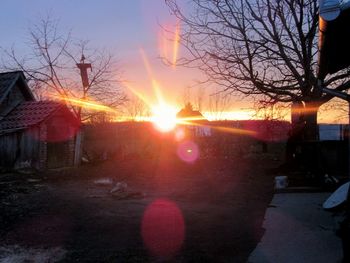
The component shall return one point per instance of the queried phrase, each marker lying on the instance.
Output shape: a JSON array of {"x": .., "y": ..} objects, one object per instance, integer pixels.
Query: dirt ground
[{"x": 170, "y": 211}]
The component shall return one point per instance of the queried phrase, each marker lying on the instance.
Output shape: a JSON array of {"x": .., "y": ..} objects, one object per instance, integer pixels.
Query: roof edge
[
  {"x": 10, "y": 86},
  {"x": 24, "y": 81},
  {"x": 19, "y": 76}
]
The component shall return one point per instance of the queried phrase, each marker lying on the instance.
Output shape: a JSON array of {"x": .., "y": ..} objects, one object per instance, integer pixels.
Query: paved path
[{"x": 298, "y": 230}]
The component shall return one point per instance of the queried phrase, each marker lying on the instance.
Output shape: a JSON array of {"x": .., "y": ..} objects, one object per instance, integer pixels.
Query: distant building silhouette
[{"x": 188, "y": 112}]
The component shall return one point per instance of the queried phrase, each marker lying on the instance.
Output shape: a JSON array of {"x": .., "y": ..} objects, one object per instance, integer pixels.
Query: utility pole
[
  {"x": 83, "y": 72},
  {"x": 85, "y": 81}
]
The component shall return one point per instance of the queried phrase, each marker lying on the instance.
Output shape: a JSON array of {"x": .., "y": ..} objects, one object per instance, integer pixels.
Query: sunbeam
[
  {"x": 86, "y": 104},
  {"x": 176, "y": 44}
]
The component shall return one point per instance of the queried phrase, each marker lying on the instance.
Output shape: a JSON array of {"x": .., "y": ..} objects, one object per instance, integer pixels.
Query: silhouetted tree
[
  {"x": 50, "y": 66},
  {"x": 259, "y": 47},
  {"x": 218, "y": 103},
  {"x": 136, "y": 107}
]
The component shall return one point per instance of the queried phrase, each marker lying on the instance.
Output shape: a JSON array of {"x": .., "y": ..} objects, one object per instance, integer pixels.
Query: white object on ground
[
  {"x": 103, "y": 181},
  {"x": 338, "y": 197},
  {"x": 119, "y": 187},
  {"x": 281, "y": 182}
]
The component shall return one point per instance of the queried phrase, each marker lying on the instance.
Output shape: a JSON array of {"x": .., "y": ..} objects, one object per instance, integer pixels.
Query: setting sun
[{"x": 164, "y": 117}]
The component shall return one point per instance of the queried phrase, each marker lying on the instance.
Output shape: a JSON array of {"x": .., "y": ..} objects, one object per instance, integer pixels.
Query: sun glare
[{"x": 164, "y": 117}]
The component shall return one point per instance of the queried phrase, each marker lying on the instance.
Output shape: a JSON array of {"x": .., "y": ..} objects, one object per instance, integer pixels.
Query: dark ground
[{"x": 222, "y": 203}]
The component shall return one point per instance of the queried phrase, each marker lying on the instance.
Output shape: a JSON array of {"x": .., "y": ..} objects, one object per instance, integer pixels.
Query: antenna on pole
[{"x": 83, "y": 71}]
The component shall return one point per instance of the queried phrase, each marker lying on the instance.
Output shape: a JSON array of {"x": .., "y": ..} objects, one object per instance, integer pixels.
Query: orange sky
[
  {"x": 125, "y": 28},
  {"x": 146, "y": 67}
]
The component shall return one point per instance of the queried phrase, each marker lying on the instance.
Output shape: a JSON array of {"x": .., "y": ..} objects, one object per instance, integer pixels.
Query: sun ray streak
[
  {"x": 164, "y": 46},
  {"x": 218, "y": 128},
  {"x": 138, "y": 94},
  {"x": 146, "y": 63},
  {"x": 176, "y": 44},
  {"x": 157, "y": 91},
  {"x": 91, "y": 105},
  {"x": 154, "y": 82}
]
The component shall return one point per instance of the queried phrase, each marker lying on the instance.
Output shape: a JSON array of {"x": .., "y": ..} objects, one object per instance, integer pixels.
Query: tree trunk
[
  {"x": 311, "y": 132},
  {"x": 304, "y": 132},
  {"x": 311, "y": 146}
]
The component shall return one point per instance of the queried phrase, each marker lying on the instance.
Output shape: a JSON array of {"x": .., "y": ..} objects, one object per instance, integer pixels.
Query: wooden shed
[{"x": 38, "y": 134}]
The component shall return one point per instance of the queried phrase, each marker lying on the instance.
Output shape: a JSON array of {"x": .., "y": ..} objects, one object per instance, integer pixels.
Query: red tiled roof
[{"x": 28, "y": 113}]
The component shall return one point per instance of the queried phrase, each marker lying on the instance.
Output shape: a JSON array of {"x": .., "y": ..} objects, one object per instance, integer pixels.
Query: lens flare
[
  {"x": 163, "y": 228},
  {"x": 176, "y": 44},
  {"x": 188, "y": 151},
  {"x": 180, "y": 134},
  {"x": 169, "y": 43}
]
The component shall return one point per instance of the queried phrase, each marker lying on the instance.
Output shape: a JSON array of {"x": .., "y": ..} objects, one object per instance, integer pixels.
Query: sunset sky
[{"x": 125, "y": 28}]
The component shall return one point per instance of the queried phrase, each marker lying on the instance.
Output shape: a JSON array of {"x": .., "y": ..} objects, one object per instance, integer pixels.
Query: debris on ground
[
  {"x": 96, "y": 196},
  {"x": 84, "y": 160},
  {"x": 17, "y": 254},
  {"x": 119, "y": 188},
  {"x": 94, "y": 225},
  {"x": 33, "y": 180},
  {"x": 121, "y": 191},
  {"x": 104, "y": 181}
]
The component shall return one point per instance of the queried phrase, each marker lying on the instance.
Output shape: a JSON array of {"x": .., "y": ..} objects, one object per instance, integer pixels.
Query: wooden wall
[
  {"x": 48, "y": 145},
  {"x": 20, "y": 149}
]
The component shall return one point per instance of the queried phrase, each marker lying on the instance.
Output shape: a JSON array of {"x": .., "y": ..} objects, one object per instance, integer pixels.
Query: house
[
  {"x": 195, "y": 120},
  {"x": 189, "y": 112},
  {"x": 37, "y": 134}
]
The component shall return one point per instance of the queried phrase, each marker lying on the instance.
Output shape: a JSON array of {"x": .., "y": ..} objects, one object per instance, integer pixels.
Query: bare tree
[
  {"x": 272, "y": 113},
  {"x": 271, "y": 110},
  {"x": 259, "y": 47},
  {"x": 186, "y": 96},
  {"x": 101, "y": 117},
  {"x": 50, "y": 67},
  {"x": 339, "y": 108},
  {"x": 136, "y": 108},
  {"x": 199, "y": 98},
  {"x": 195, "y": 95},
  {"x": 218, "y": 103}
]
